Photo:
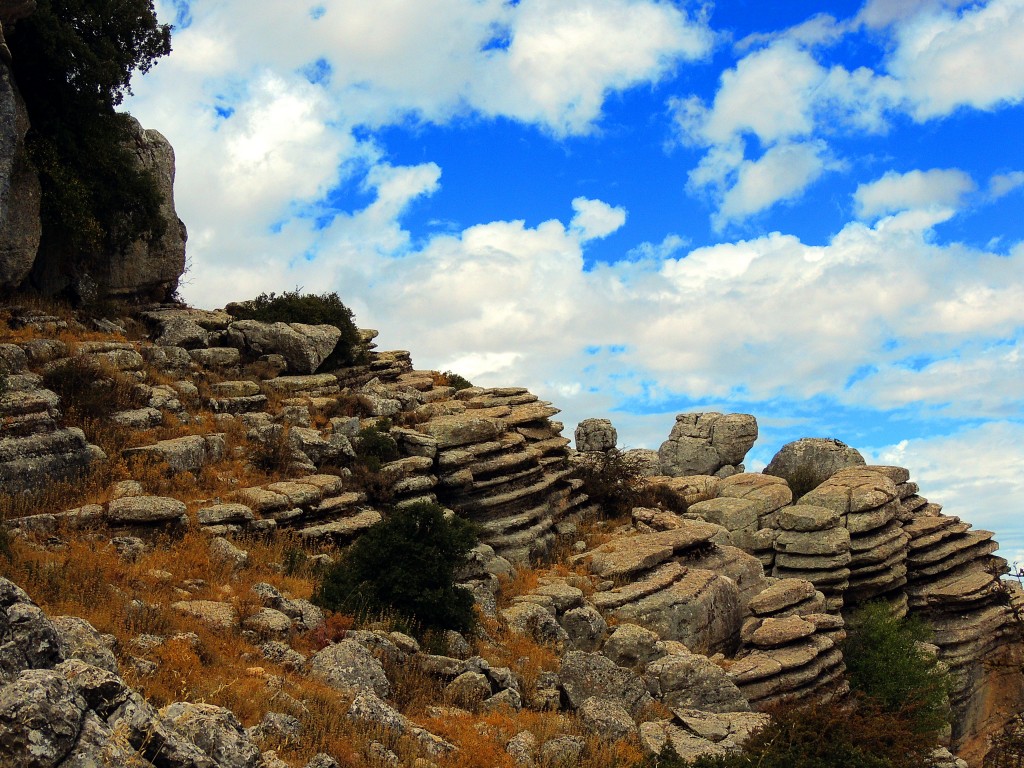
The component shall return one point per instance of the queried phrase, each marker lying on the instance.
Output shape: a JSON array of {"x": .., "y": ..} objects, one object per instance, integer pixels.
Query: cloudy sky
[{"x": 811, "y": 212}]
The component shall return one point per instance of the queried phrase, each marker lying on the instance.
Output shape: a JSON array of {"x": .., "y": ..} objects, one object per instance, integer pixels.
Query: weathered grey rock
[
  {"x": 146, "y": 268},
  {"x": 691, "y": 681},
  {"x": 79, "y": 640},
  {"x": 630, "y": 645},
  {"x": 584, "y": 675},
  {"x": 182, "y": 332},
  {"x": 183, "y": 454},
  {"x": 806, "y": 517},
  {"x": 647, "y": 460},
  {"x": 304, "y": 347},
  {"x": 534, "y": 621},
  {"x": 41, "y": 715},
  {"x": 595, "y": 436},
  {"x": 632, "y": 554},
  {"x": 216, "y": 731},
  {"x": 468, "y": 690},
  {"x": 608, "y": 719},
  {"x": 369, "y": 709},
  {"x": 585, "y": 627},
  {"x": 144, "y": 510},
  {"x": 20, "y": 226},
  {"x": 461, "y": 429},
  {"x": 222, "y": 550},
  {"x": 704, "y": 443},
  {"x": 348, "y": 666},
  {"x": 276, "y": 728},
  {"x": 522, "y": 748},
  {"x": 27, "y": 638},
  {"x": 808, "y": 462},
  {"x": 562, "y": 751}
]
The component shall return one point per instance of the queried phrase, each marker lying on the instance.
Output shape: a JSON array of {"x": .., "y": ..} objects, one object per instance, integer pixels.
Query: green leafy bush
[
  {"x": 375, "y": 447},
  {"x": 455, "y": 380},
  {"x": 613, "y": 480},
  {"x": 884, "y": 663},
  {"x": 308, "y": 308},
  {"x": 852, "y": 734},
  {"x": 73, "y": 61},
  {"x": 405, "y": 566}
]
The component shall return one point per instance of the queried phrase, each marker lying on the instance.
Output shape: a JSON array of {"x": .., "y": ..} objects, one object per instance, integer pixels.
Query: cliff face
[
  {"x": 681, "y": 622},
  {"x": 147, "y": 268},
  {"x": 20, "y": 228}
]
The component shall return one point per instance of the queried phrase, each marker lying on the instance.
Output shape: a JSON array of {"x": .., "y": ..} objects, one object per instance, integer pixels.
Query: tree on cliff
[{"x": 73, "y": 61}]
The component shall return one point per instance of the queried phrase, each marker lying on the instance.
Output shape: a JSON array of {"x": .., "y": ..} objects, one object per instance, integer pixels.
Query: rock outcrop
[
  {"x": 148, "y": 268},
  {"x": 707, "y": 444},
  {"x": 20, "y": 227}
]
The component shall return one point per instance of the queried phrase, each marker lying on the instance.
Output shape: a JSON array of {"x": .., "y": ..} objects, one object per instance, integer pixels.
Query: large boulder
[
  {"x": 146, "y": 268},
  {"x": 707, "y": 443},
  {"x": 595, "y": 435},
  {"x": 20, "y": 226},
  {"x": 808, "y": 462},
  {"x": 304, "y": 347}
]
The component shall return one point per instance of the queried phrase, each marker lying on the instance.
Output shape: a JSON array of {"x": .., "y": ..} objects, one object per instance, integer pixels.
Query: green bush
[
  {"x": 853, "y": 734},
  {"x": 73, "y": 61},
  {"x": 884, "y": 663},
  {"x": 455, "y": 380},
  {"x": 405, "y": 567},
  {"x": 375, "y": 447},
  {"x": 613, "y": 480},
  {"x": 308, "y": 308}
]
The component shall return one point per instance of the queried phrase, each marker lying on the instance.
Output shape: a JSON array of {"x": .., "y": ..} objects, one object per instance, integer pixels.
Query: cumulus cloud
[
  {"x": 937, "y": 188},
  {"x": 785, "y": 99},
  {"x": 781, "y": 173},
  {"x": 1003, "y": 184},
  {"x": 595, "y": 219},
  {"x": 946, "y": 58},
  {"x": 974, "y": 474}
]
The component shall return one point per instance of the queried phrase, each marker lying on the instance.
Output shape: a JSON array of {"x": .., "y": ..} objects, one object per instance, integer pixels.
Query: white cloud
[
  {"x": 781, "y": 173},
  {"x": 595, "y": 219},
  {"x": 974, "y": 474},
  {"x": 1003, "y": 184},
  {"x": 787, "y": 100},
  {"x": 937, "y": 188},
  {"x": 946, "y": 59}
]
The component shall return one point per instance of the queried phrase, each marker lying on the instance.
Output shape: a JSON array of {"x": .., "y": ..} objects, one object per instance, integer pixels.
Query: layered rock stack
[
  {"x": 35, "y": 449},
  {"x": 812, "y": 545},
  {"x": 790, "y": 647},
  {"x": 648, "y": 580},
  {"x": 868, "y": 506},
  {"x": 953, "y": 584}
]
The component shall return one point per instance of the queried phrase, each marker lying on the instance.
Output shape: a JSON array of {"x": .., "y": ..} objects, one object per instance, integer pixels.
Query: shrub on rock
[
  {"x": 309, "y": 309},
  {"x": 405, "y": 566}
]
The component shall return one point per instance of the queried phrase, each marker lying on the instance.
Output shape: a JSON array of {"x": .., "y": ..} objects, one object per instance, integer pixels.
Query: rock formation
[
  {"x": 680, "y": 623},
  {"x": 707, "y": 444},
  {"x": 147, "y": 268}
]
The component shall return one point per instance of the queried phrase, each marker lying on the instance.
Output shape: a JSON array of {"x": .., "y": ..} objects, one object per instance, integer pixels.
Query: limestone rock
[
  {"x": 20, "y": 225},
  {"x": 79, "y": 640},
  {"x": 348, "y": 666},
  {"x": 808, "y": 462},
  {"x": 608, "y": 719},
  {"x": 584, "y": 675},
  {"x": 40, "y": 717},
  {"x": 692, "y": 681},
  {"x": 304, "y": 347},
  {"x": 216, "y": 731},
  {"x": 704, "y": 443},
  {"x": 595, "y": 435}
]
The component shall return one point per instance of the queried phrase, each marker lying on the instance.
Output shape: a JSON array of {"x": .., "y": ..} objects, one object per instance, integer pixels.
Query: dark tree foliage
[
  {"x": 884, "y": 663},
  {"x": 310, "y": 308},
  {"x": 405, "y": 567},
  {"x": 73, "y": 62},
  {"x": 613, "y": 480}
]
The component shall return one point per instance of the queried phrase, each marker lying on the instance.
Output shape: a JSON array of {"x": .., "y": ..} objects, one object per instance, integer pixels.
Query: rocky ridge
[{"x": 680, "y": 624}]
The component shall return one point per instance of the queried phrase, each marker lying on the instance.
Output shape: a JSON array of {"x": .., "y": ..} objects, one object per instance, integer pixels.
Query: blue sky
[{"x": 808, "y": 212}]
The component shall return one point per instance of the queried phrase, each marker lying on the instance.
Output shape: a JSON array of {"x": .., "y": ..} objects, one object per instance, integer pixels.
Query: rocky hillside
[{"x": 175, "y": 479}]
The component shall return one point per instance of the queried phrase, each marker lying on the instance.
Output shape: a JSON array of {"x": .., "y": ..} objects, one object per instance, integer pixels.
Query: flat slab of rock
[
  {"x": 212, "y": 612},
  {"x": 633, "y": 554},
  {"x": 462, "y": 429},
  {"x": 144, "y": 510}
]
